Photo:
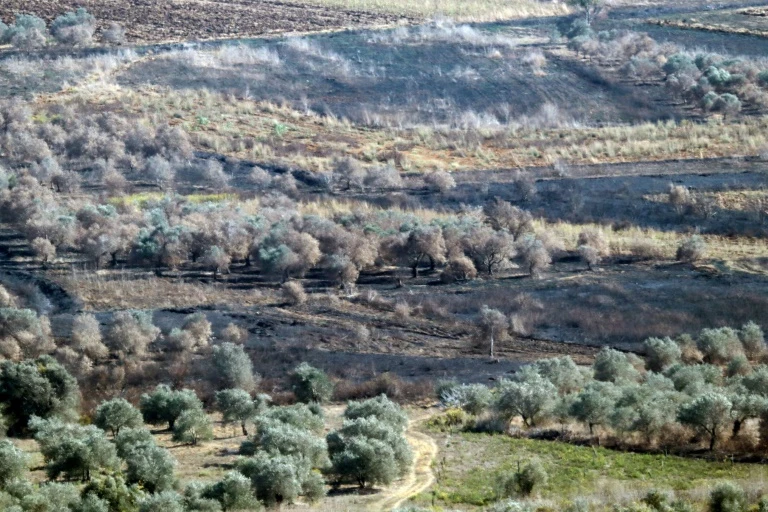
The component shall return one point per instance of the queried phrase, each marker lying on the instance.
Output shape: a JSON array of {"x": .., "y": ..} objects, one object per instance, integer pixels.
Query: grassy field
[{"x": 469, "y": 464}]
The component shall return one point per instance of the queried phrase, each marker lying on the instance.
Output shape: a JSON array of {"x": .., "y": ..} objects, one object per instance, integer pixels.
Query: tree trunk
[
  {"x": 736, "y": 427},
  {"x": 763, "y": 430},
  {"x": 492, "y": 343},
  {"x": 712, "y": 441},
  {"x": 245, "y": 431},
  {"x": 415, "y": 271}
]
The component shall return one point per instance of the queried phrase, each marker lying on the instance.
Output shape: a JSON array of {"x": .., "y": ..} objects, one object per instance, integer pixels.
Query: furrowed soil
[{"x": 182, "y": 20}]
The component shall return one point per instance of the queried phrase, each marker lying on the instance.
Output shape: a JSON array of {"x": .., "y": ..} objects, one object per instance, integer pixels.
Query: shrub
[
  {"x": 381, "y": 408},
  {"x": 115, "y": 414},
  {"x": 27, "y": 33},
  {"x": 74, "y": 28},
  {"x": 727, "y": 497},
  {"x": 311, "y": 384},
  {"x": 692, "y": 249},
  {"x": 232, "y": 367},
  {"x": 193, "y": 426},
  {"x": 523, "y": 482},
  {"x": 472, "y": 398}
]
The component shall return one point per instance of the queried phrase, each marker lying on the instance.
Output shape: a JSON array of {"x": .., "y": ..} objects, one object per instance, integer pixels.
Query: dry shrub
[
  {"x": 402, "y": 310},
  {"x": 391, "y": 385},
  {"x": 293, "y": 293},
  {"x": 644, "y": 249}
]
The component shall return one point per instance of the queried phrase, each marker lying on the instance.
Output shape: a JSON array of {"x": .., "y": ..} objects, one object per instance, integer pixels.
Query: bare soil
[{"x": 183, "y": 20}]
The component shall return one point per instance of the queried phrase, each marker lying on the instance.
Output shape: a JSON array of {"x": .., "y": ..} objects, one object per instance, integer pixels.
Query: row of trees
[
  {"x": 712, "y": 81},
  {"x": 29, "y": 32},
  {"x": 705, "y": 385}
]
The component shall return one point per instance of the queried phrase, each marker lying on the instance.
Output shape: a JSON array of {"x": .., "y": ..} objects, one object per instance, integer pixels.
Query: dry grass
[
  {"x": 665, "y": 242},
  {"x": 463, "y": 10},
  {"x": 246, "y": 129},
  {"x": 118, "y": 290}
]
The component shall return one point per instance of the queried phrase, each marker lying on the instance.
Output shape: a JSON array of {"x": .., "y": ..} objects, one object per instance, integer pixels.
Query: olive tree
[
  {"x": 73, "y": 450},
  {"x": 311, "y": 384},
  {"x": 131, "y": 332},
  {"x": 232, "y": 367},
  {"x": 151, "y": 466},
  {"x": 115, "y": 414},
  {"x": 471, "y": 398},
  {"x": 237, "y": 405},
  {"x": 661, "y": 353},
  {"x": 709, "y": 414},
  {"x": 86, "y": 337},
  {"x": 233, "y": 492},
  {"x": 14, "y": 463},
  {"x": 493, "y": 326},
  {"x": 380, "y": 407},
  {"x": 193, "y": 426},
  {"x": 74, "y": 28},
  {"x": 752, "y": 339},
  {"x": 369, "y": 451},
  {"x": 530, "y": 396},
  {"x": 165, "y": 405},
  {"x": 278, "y": 479},
  {"x": 613, "y": 366},
  {"x": 594, "y": 404},
  {"x": 40, "y": 387}
]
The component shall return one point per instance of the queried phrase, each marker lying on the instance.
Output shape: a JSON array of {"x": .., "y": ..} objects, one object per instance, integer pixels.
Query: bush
[
  {"x": 524, "y": 481},
  {"x": 310, "y": 384},
  {"x": 74, "y": 28},
  {"x": 27, "y": 33},
  {"x": 472, "y": 398},
  {"x": 692, "y": 249},
  {"x": 293, "y": 293},
  {"x": 115, "y": 414},
  {"x": 727, "y": 497},
  {"x": 381, "y": 408}
]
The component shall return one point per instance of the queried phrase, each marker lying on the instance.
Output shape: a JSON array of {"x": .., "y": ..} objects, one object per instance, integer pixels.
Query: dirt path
[{"x": 419, "y": 478}]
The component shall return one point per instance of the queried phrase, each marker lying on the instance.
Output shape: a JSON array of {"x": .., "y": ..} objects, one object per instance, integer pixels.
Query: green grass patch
[{"x": 469, "y": 465}]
